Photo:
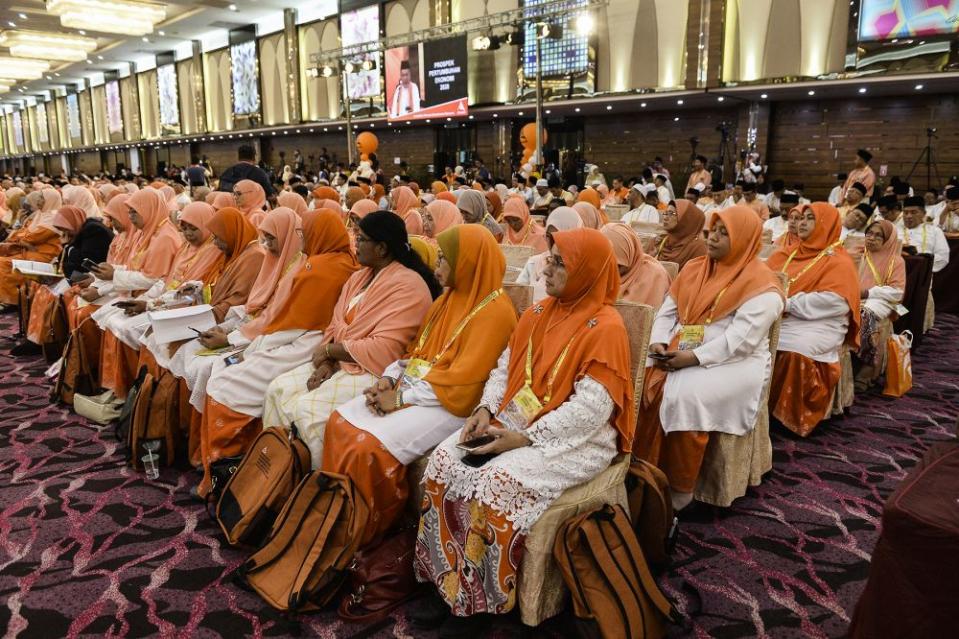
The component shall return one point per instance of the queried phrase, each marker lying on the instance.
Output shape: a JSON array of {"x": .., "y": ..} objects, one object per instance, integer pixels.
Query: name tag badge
[
  {"x": 691, "y": 337},
  {"x": 901, "y": 310},
  {"x": 417, "y": 369},
  {"x": 521, "y": 410}
]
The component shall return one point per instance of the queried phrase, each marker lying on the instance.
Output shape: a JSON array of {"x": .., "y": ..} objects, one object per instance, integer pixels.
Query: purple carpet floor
[{"x": 89, "y": 548}]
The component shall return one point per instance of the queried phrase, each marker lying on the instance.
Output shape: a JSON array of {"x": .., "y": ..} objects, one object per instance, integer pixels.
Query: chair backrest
[
  {"x": 516, "y": 256},
  {"x": 638, "y": 319},
  {"x": 520, "y": 294},
  {"x": 652, "y": 228},
  {"x": 615, "y": 212},
  {"x": 672, "y": 269}
]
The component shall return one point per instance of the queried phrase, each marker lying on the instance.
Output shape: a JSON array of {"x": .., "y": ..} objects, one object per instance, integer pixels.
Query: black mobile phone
[
  {"x": 124, "y": 303},
  {"x": 477, "y": 460},
  {"x": 89, "y": 264},
  {"x": 475, "y": 443},
  {"x": 662, "y": 357}
]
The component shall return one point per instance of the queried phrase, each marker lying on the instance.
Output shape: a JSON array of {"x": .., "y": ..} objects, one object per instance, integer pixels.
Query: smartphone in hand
[{"x": 472, "y": 444}]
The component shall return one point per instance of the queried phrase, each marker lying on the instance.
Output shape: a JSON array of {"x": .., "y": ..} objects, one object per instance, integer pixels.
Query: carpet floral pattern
[{"x": 90, "y": 548}]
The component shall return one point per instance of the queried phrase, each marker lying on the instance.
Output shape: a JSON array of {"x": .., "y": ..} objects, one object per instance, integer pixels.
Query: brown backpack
[
  {"x": 305, "y": 560},
  {"x": 78, "y": 372},
  {"x": 650, "y": 509},
  {"x": 138, "y": 402},
  {"x": 614, "y": 594},
  {"x": 256, "y": 492},
  {"x": 156, "y": 415}
]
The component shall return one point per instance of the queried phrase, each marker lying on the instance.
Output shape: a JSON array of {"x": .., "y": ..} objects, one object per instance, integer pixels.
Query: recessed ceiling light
[
  {"x": 89, "y": 61},
  {"x": 720, "y": 99},
  {"x": 548, "y": 111},
  {"x": 811, "y": 92},
  {"x": 49, "y": 77},
  {"x": 11, "y": 23},
  {"x": 162, "y": 33},
  {"x": 471, "y": 117},
  {"x": 326, "y": 129},
  {"x": 145, "y": 39},
  {"x": 99, "y": 57},
  {"x": 447, "y": 119},
  {"x": 495, "y": 115},
  {"x": 81, "y": 32},
  {"x": 22, "y": 16},
  {"x": 680, "y": 101},
  {"x": 609, "y": 107},
  {"x": 231, "y": 7},
  {"x": 763, "y": 96},
  {"x": 676, "y": 119},
  {"x": 918, "y": 87},
  {"x": 577, "y": 109},
  {"x": 520, "y": 113},
  {"x": 862, "y": 89},
  {"x": 642, "y": 105},
  {"x": 298, "y": 131}
]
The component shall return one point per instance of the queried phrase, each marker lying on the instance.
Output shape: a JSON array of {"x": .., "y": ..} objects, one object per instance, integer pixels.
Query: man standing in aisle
[
  {"x": 245, "y": 169},
  {"x": 863, "y": 174},
  {"x": 699, "y": 174}
]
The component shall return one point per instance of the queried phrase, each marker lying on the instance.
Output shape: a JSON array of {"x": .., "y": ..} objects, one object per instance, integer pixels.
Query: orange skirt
[
  {"x": 40, "y": 324},
  {"x": 10, "y": 281},
  {"x": 118, "y": 365},
  {"x": 800, "y": 394},
  {"x": 679, "y": 455},
  {"x": 377, "y": 475},
  {"x": 223, "y": 433}
]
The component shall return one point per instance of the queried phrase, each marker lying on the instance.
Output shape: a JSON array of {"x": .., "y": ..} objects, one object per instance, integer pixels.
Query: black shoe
[
  {"x": 429, "y": 611},
  {"x": 474, "y": 626},
  {"x": 26, "y": 349}
]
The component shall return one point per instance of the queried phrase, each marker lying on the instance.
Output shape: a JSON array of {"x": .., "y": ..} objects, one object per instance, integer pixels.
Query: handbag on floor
[
  {"x": 303, "y": 563},
  {"x": 614, "y": 594},
  {"x": 102, "y": 408},
  {"x": 253, "y": 496},
  {"x": 898, "y": 365},
  {"x": 650, "y": 510},
  {"x": 380, "y": 578}
]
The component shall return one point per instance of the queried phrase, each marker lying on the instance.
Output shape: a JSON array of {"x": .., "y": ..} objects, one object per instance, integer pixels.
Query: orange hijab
[
  {"x": 255, "y": 197},
  {"x": 594, "y": 197},
  {"x": 645, "y": 280},
  {"x": 222, "y": 200},
  {"x": 496, "y": 204},
  {"x": 446, "y": 196},
  {"x": 157, "y": 242},
  {"x": 204, "y": 262},
  {"x": 70, "y": 218},
  {"x": 820, "y": 263},
  {"x": 589, "y": 214},
  {"x": 532, "y": 234},
  {"x": 584, "y": 320},
  {"x": 887, "y": 261},
  {"x": 789, "y": 240},
  {"x": 233, "y": 229},
  {"x": 460, "y": 368},
  {"x": 122, "y": 245},
  {"x": 685, "y": 241},
  {"x": 445, "y": 215},
  {"x": 326, "y": 193},
  {"x": 276, "y": 273},
  {"x": 316, "y": 287},
  {"x": 438, "y": 187},
  {"x": 292, "y": 200},
  {"x": 404, "y": 201}
]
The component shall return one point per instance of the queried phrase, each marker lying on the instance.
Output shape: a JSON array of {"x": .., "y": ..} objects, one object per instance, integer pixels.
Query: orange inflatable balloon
[
  {"x": 527, "y": 139},
  {"x": 367, "y": 143}
]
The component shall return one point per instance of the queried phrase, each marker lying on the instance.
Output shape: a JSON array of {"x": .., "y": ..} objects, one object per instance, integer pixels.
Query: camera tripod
[{"x": 930, "y": 161}]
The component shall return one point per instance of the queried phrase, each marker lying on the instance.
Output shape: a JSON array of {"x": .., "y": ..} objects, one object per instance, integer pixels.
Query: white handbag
[{"x": 102, "y": 409}]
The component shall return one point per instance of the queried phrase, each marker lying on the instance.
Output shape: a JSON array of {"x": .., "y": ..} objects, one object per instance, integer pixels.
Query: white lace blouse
[{"x": 570, "y": 445}]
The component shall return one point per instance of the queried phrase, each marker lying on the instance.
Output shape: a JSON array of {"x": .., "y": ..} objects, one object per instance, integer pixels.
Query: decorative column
[
  {"x": 199, "y": 88},
  {"x": 292, "y": 36},
  {"x": 704, "y": 43}
]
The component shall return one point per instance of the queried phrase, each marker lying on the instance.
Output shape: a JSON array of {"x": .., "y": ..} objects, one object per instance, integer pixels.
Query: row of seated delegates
[
  {"x": 559, "y": 405},
  {"x": 244, "y": 259},
  {"x": 711, "y": 349},
  {"x": 160, "y": 249},
  {"x": 426, "y": 395},
  {"x": 821, "y": 315},
  {"x": 376, "y": 316},
  {"x": 882, "y": 283},
  {"x": 683, "y": 222},
  {"x": 35, "y": 240},
  {"x": 921, "y": 236}
]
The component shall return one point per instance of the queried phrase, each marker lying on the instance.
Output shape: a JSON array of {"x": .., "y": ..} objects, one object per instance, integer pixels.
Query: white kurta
[
  {"x": 951, "y": 223},
  {"x": 642, "y": 213},
  {"x": 532, "y": 275},
  {"x": 410, "y": 433},
  {"x": 815, "y": 326},
  {"x": 570, "y": 446},
  {"x": 777, "y": 225},
  {"x": 242, "y": 387},
  {"x": 927, "y": 238},
  {"x": 722, "y": 394},
  {"x": 882, "y": 300}
]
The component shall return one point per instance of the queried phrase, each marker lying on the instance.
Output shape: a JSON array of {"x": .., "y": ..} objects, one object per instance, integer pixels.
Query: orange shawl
[
  {"x": 316, "y": 287},
  {"x": 326, "y": 193},
  {"x": 460, "y": 371},
  {"x": 685, "y": 241},
  {"x": 384, "y": 320},
  {"x": 584, "y": 320},
  {"x": 833, "y": 271},
  {"x": 887, "y": 261},
  {"x": 243, "y": 263},
  {"x": 272, "y": 285},
  {"x": 157, "y": 242},
  {"x": 532, "y": 234},
  {"x": 645, "y": 280}
]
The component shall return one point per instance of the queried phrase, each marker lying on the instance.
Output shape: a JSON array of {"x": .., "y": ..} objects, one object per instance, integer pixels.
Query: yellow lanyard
[
  {"x": 552, "y": 374},
  {"x": 875, "y": 274},
  {"x": 183, "y": 268},
  {"x": 922, "y": 249},
  {"x": 459, "y": 327},
  {"x": 661, "y": 245},
  {"x": 712, "y": 309},
  {"x": 823, "y": 253}
]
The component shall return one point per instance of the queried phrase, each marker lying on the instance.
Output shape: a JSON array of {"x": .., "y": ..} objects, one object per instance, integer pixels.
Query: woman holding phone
[
  {"x": 709, "y": 352},
  {"x": 558, "y": 405},
  {"x": 427, "y": 394}
]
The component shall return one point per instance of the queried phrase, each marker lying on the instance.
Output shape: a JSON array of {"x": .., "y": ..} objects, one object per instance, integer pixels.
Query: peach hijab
[
  {"x": 275, "y": 281},
  {"x": 122, "y": 245},
  {"x": 292, "y": 200},
  {"x": 532, "y": 234},
  {"x": 255, "y": 198},
  {"x": 404, "y": 205},
  {"x": 583, "y": 323},
  {"x": 204, "y": 262},
  {"x": 645, "y": 280},
  {"x": 445, "y": 215},
  {"x": 887, "y": 262},
  {"x": 157, "y": 242}
]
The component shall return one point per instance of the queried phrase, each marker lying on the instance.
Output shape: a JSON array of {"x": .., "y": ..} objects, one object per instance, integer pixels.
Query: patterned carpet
[{"x": 89, "y": 548}]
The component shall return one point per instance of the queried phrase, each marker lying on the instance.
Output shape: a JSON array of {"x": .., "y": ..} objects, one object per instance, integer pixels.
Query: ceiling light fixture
[
  {"x": 720, "y": 99},
  {"x": 918, "y": 87},
  {"x": 126, "y": 17},
  {"x": 811, "y": 92},
  {"x": 52, "y": 46},
  {"x": 763, "y": 96},
  {"x": 862, "y": 89},
  {"x": 23, "y": 69}
]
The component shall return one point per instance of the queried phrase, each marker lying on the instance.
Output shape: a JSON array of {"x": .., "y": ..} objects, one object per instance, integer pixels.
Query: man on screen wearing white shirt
[{"x": 406, "y": 96}]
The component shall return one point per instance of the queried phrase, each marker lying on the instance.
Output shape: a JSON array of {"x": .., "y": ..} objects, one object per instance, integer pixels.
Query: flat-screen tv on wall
[
  {"x": 883, "y": 20},
  {"x": 358, "y": 27},
  {"x": 114, "y": 110},
  {"x": 73, "y": 117},
  {"x": 246, "y": 88}
]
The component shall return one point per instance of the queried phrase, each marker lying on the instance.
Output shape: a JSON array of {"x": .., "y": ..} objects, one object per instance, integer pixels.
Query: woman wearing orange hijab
[
  {"x": 521, "y": 229},
  {"x": 250, "y": 198},
  {"x": 790, "y": 239},
  {"x": 684, "y": 223},
  {"x": 642, "y": 278},
  {"x": 712, "y": 333},
  {"x": 882, "y": 283},
  {"x": 494, "y": 205},
  {"x": 822, "y": 314},
  {"x": 426, "y": 395},
  {"x": 405, "y": 204},
  {"x": 325, "y": 193},
  {"x": 592, "y": 219},
  {"x": 36, "y": 240},
  {"x": 293, "y": 201},
  {"x": 438, "y": 216},
  {"x": 446, "y": 196},
  {"x": 234, "y": 400},
  {"x": 220, "y": 200},
  {"x": 568, "y": 362}
]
